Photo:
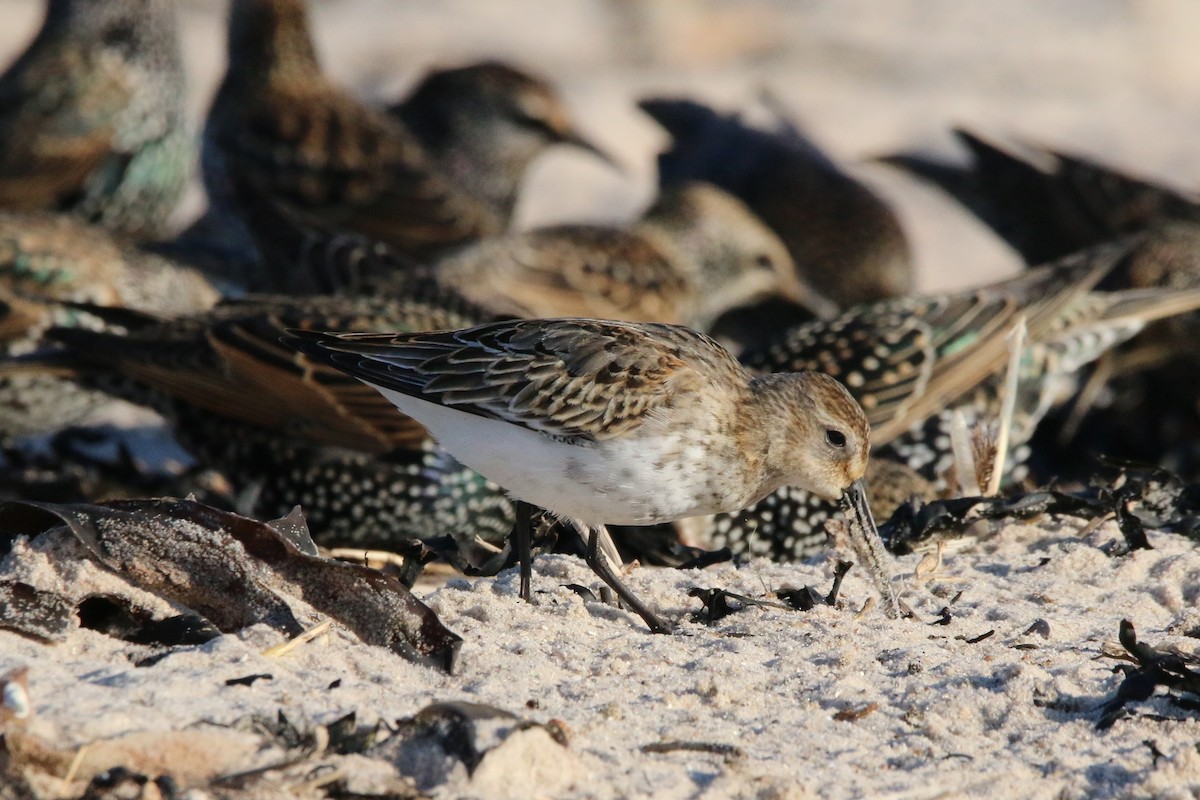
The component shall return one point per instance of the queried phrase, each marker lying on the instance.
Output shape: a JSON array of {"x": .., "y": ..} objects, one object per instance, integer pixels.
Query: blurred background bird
[
  {"x": 281, "y": 430},
  {"x": 1046, "y": 203},
  {"x": 92, "y": 116},
  {"x": 845, "y": 239},
  {"x": 55, "y": 270},
  {"x": 437, "y": 170},
  {"x": 916, "y": 364},
  {"x": 695, "y": 253}
]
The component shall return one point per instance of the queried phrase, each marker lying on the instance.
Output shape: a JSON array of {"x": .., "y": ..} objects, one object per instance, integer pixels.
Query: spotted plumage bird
[
  {"x": 92, "y": 116},
  {"x": 913, "y": 362},
  {"x": 845, "y": 240},
  {"x": 620, "y": 423},
  {"x": 442, "y": 168},
  {"x": 283, "y": 429},
  {"x": 53, "y": 258},
  {"x": 52, "y": 268},
  {"x": 697, "y": 252},
  {"x": 1045, "y": 203}
]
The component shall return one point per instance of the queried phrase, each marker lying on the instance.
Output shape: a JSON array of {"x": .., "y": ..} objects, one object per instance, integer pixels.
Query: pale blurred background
[{"x": 1115, "y": 79}]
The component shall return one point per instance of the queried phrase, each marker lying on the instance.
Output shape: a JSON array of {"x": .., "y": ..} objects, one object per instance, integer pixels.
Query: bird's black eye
[
  {"x": 835, "y": 438},
  {"x": 763, "y": 261}
]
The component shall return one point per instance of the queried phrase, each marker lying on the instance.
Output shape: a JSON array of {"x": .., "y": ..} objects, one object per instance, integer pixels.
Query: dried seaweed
[
  {"x": 852, "y": 714},
  {"x": 118, "y": 617},
  {"x": 171, "y": 555},
  {"x": 716, "y": 604},
  {"x": 1138, "y": 498},
  {"x": 33, "y": 612},
  {"x": 807, "y": 599},
  {"x": 428, "y": 744},
  {"x": 120, "y": 782},
  {"x": 729, "y": 752},
  {"x": 1171, "y": 669},
  {"x": 249, "y": 680},
  {"x": 720, "y": 603},
  {"x": 236, "y": 571}
]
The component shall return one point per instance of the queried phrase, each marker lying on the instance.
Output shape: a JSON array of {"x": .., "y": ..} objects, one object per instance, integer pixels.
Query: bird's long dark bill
[{"x": 867, "y": 543}]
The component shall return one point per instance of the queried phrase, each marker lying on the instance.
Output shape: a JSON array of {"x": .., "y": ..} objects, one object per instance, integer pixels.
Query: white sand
[
  {"x": 946, "y": 717},
  {"x": 1114, "y": 79}
]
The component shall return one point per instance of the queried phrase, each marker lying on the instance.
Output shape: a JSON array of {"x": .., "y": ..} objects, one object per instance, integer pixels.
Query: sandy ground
[
  {"x": 1003, "y": 701},
  {"x": 817, "y": 704}
]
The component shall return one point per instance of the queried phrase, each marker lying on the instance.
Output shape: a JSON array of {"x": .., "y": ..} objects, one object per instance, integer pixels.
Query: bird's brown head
[
  {"x": 492, "y": 99},
  {"x": 737, "y": 259},
  {"x": 821, "y": 437}
]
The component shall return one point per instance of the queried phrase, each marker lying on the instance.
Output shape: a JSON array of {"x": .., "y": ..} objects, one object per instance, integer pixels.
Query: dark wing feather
[
  {"x": 230, "y": 361},
  {"x": 574, "y": 378},
  {"x": 1047, "y": 204}
]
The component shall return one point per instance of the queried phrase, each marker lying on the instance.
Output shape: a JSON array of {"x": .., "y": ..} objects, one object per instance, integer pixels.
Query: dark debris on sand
[
  {"x": 720, "y": 603},
  {"x": 1168, "y": 668},
  {"x": 229, "y": 571},
  {"x": 1138, "y": 499}
]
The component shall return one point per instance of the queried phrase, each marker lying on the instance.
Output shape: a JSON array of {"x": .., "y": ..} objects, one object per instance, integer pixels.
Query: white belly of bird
[{"x": 648, "y": 477}]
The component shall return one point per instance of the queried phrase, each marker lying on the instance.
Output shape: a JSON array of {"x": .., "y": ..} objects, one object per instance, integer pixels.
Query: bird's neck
[
  {"x": 706, "y": 260},
  {"x": 487, "y": 160},
  {"x": 769, "y": 415},
  {"x": 759, "y": 434},
  {"x": 270, "y": 40}
]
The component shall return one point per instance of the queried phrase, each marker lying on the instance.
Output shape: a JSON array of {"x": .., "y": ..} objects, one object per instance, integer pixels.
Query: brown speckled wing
[
  {"x": 230, "y": 361},
  {"x": 573, "y": 270},
  {"x": 579, "y": 379},
  {"x": 354, "y": 167}
]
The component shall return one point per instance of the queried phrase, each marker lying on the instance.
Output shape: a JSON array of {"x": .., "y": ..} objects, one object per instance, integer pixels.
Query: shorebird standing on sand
[{"x": 620, "y": 423}]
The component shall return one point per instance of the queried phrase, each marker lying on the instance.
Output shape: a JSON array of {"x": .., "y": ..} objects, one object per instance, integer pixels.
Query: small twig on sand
[{"x": 307, "y": 636}]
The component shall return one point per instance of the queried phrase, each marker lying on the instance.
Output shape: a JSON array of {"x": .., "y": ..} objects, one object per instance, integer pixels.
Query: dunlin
[
  {"x": 913, "y": 362},
  {"x": 92, "y": 116},
  {"x": 621, "y": 423},
  {"x": 443, "y": 169},
  {"x": 697, "y": 252},
  {"x": 845, "y": 240}
]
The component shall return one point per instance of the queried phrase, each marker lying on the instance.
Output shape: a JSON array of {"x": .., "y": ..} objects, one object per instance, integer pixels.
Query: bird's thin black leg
[
  {"x": 601, "y": 566},
  {"x": 523, "y": 535}
]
